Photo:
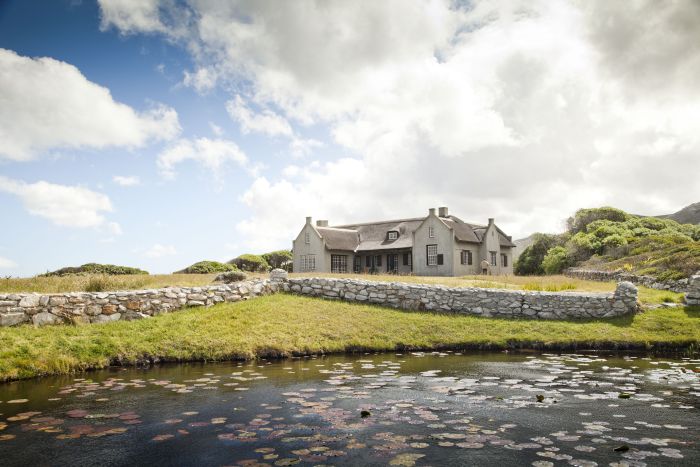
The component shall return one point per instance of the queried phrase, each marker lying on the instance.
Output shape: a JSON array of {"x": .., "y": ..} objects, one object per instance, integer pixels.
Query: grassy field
[
  {"x": 282, "y": 325},
  {"x": 99, "y": 283}
]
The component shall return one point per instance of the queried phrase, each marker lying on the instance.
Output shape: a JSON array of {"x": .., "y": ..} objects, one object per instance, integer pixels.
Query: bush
[
  {"x": 282, "y": 259},
  {"x": 250, "y": 263},
  {"x": 530, "y": 260},
  {"x": 208, "y": 267},
  {"x": 583, "y": 217},
  {"x": 95, "y": 268},
  {"x": 232, "y": 276},
  {"x": 556, "y": 260}
]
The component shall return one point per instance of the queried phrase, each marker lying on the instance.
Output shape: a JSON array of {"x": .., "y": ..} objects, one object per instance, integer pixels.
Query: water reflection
[{"x": 385, "y": 409}]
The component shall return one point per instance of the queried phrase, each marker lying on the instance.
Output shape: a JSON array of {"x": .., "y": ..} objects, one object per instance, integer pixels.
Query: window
[
  {"x": 504, "y": 260},
  {"x": 405, "y": 259},
  {"x": 431, "y": 232},
  {"x": 368, "y": 262},
  {"x": 379, "y": 261},
  {"x": 465, "y": 257},
  {"x": 356, "y": 264},
  {"x": 493, "y": 258},
  {"x": 339, "y": 263},
  {"x": 432, "y": 255},
  {"x": 393, "y": 235},
  {"x": 302, "y": 263},
  {"x": 307, "y": 237},
  {"x": 311, "y": 263}
]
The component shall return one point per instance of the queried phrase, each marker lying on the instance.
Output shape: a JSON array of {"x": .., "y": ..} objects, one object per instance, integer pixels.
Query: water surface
[{"x": 381, "y": 409}]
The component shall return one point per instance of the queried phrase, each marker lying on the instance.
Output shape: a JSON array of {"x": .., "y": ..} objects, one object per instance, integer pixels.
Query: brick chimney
[{"x": 443, "y": 212}]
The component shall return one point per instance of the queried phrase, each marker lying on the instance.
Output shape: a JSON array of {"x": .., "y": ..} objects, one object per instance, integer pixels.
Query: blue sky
[{"x": 159, "y": 133}]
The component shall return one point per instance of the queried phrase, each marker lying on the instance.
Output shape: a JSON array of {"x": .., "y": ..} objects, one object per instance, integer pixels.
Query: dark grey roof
[{"x": 370, "y": 236}]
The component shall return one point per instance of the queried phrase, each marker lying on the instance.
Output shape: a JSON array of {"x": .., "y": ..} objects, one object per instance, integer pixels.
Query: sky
[{"x": 158, "y": 133}]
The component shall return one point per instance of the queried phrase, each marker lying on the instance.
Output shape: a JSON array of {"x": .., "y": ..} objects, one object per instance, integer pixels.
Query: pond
[{"x": 407, "y": 409}]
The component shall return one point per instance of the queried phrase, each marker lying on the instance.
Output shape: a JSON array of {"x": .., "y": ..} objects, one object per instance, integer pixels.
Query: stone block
[{"x": 13, "y": 319}]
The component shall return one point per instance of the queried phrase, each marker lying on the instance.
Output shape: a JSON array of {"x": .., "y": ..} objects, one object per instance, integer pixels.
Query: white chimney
[
  {"x": 308, "y": 220},
  {"x": 443, "y": 212},
  {"x": 321, "y": 223}
]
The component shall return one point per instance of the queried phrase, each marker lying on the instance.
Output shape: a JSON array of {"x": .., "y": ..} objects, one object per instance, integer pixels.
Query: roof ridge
[{"x": 391, "y": 221}]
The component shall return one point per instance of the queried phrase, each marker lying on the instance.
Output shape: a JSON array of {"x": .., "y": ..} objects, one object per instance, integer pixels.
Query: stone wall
[
  {"x": 102, "y": 307},
  {"x": 693, "y": 295},
  {"x": 473, "y": 301},
  {"x": 680, "y": 285}
]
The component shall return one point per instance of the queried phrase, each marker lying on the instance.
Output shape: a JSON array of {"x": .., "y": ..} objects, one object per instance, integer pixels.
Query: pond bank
[{"x": 284, "y": 325}]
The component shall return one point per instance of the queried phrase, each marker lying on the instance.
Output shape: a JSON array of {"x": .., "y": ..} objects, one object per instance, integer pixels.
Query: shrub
[
  {"x": 232, "y": 276},
  {"x": 583, "y": 217},
  {"x": 556, "y": 260},
  {"x": 96, "y": 268},
  {"x": 97, "y": 284},
  {"x": 530, "y": 260},
  {"x": 208, "y": 267},
  {"x": 250, "y": 263},
  {"x": 279, "y": 259}
]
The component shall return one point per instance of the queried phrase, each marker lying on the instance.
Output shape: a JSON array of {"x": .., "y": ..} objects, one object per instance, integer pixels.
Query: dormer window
[{"x": 392, "y": 235}]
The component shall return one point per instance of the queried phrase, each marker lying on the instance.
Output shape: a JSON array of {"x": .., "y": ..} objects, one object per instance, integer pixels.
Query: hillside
[
  {"x": 611, "y": 239},
  {"x": 687, "y": 215}
]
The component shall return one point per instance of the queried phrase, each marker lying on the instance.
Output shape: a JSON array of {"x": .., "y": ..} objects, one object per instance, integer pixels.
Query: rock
[
  {"x": 109, "y": 309},
  {"x": 133, "y": 305},
  {"x": 45, "y": 318},
  {"x": 106, "y": 318},
  {"x": 12, "y": 319},
  {"x": 30, "y": 301},
  {"x": 278, "y": 275},
  {"x": 57, "y": 300}
]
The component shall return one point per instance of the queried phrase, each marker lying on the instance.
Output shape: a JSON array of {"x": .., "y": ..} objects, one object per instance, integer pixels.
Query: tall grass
[{"x": 101, "y": 282}]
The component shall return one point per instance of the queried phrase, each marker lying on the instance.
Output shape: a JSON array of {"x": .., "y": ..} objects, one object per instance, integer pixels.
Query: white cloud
[
  {"x": 131, "y": 16},
  {"x": 212, "y": 154},
  {"x": 7, "y": 264},
  {"x": 114, "y": 228},
  {"x": 516, "y": 109},
  {"x": 266, "y": 121},
  {"x": 216, "y": 129},
  {"x": 130, "y": 180},
  {"x": 159, "y": 251},
  {"x": 49, "y": 104},
  {"x": 68, "y": 206}
]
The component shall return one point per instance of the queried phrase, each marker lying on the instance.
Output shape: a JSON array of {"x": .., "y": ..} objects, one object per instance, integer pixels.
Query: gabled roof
[{"x": 370, "y": 236}]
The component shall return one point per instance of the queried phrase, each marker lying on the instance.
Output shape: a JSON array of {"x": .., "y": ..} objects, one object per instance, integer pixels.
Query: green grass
[{"x": 282, "y": 325}]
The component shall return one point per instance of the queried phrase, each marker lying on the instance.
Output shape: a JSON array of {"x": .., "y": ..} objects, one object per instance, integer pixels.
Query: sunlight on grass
[{"x": 281, "y": 325}]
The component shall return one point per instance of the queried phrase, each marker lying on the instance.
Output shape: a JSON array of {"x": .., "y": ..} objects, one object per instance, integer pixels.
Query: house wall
[
  {"x": 315, "y": 247},
  {"x": 444, "y": 239},
  {"x": 466, "y": 269},
  {"x": 384, "y": 254},
  {"x": 327, "y": 260},
  {"x": 492, "y": 243}
]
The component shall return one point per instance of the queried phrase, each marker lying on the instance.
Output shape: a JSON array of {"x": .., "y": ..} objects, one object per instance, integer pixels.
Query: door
[{"x": 392, "y": 264}]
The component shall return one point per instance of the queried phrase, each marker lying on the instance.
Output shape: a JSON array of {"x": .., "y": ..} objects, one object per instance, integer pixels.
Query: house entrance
[{"x": 392, "y": 263}]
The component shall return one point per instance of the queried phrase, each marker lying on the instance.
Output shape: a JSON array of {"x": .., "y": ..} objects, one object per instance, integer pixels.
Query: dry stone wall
[
  {"x": 693, "y": 295},
  {"x": 681, "y": 285},
  {"x": 473, "y": 301},
  {"x": 102, "y": 307}
]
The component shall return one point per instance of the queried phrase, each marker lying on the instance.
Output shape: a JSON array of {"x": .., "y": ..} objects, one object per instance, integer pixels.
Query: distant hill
[
  {"x": 687, "y": 215},
  {"x": 520, "y": 245}
]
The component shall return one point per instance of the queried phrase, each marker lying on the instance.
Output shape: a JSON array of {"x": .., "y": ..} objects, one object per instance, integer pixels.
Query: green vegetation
[
  {"x": 208, "y": 267},
  {"x": 250, "y": 263},
  {"x": 279, "y": 259},
  {"x": 608, "y": 238},
  {"x": 96, "y": 268},
  {"x": 282, "y": 325}
]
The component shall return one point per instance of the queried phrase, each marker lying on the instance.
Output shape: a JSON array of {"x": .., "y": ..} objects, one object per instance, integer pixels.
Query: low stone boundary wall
[
  {"x": 681, "y": 285},
  {"x": 693, "y": 295},
  {"x": 102, "y": 307},
  {"x": 473, "y": 301}
]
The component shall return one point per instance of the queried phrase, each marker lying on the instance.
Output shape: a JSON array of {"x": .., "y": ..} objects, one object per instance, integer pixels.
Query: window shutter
[{"x": 439, "y": 259}]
